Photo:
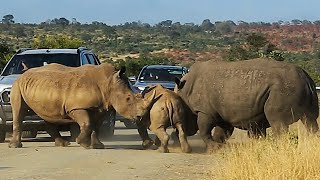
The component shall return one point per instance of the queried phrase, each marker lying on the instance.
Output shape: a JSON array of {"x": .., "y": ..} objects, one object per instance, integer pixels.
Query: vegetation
[
  {"x": 136, "y": 44},
  {"x": 289, "y": 157}
]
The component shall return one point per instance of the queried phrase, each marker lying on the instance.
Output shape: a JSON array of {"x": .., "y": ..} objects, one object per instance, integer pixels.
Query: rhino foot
[
  {"x": 186, "y": 149},
  {"x": 163, "y": 149},
  {"x": 61, "y": 142},
  {"x": 147, "y": 143},
  {"x": 213, "y": 147},
  {"x": 97, "y": 146},
  {"x": 15, "y": 145},
  {"x": 84, "y": 143}
]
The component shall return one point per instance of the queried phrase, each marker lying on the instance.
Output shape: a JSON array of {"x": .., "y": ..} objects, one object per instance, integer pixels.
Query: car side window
[
  {"x": 84, "y": 59},
  {"x": 91, "y": 59}
]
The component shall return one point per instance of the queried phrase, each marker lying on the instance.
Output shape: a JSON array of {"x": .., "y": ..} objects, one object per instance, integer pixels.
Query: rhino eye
[{"x": 128, "y": 98}]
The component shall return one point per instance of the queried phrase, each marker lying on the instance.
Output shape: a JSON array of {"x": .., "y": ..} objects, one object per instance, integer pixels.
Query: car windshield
[
  {"x": 20, "y": 63},
  {"x": 160, "y": 74}
]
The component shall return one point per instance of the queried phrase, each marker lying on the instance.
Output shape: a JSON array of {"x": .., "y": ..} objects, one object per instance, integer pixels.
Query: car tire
[
  {"x": 2, "y": 135},
  {"x": 129, "y": 124},
  {"x": 29, "y": 134},
  {"x": 108, "y": 126},
  {"x": 74, "y": 131}
]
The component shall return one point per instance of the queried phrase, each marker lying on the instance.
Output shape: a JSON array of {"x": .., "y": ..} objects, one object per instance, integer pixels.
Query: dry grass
[{"x": 289, "y": 157}]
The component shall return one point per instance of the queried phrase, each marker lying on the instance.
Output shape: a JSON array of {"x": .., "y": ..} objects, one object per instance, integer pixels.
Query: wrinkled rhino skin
[
  {"x": 61, "y": 94},
  {"x": 251, "y": 95},
  {"x": 168, "y": 110}
]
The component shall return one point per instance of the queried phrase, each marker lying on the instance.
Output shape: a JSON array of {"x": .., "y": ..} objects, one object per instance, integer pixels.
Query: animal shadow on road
[{"x": 4, "y": 168}]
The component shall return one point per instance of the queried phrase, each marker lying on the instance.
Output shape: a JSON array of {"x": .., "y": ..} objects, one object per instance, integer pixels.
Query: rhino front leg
[
  {"x": 52, "y": 130},
  {"x": 18, "y": 113},
  {"x": 95, "y": 142},
  {"x": 185, "y": 147},
  {"x": 15, "y": 141},
  {"x": 205, "y": 124},
  {"x": 143, "y": 132},
  {"x": 83, "y": 119}
]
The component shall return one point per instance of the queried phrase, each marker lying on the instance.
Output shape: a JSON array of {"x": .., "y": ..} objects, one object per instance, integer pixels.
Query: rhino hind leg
[
  {"x": 164, "y": 139},
  {"x": 222, "y": 133},
  {"x": 310, "y": 122},
  {"x": 185, "y": 147},
  {"x": 52, "y": 130},
  {"x": 83, "y": 119}
]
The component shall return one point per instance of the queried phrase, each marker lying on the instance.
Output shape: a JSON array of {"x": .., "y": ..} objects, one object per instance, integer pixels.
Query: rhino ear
[
  {"x": 179, "y": 83},
  {"x": 120, "y": 73},
  {"x": 122, "y": 70}
]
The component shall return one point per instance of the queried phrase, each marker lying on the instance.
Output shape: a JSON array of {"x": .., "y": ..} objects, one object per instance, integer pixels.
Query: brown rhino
[
  {"x": 252, "y": 95},
  {"x": 61, "y": 94},
  {"x": 168, "y": 110}
]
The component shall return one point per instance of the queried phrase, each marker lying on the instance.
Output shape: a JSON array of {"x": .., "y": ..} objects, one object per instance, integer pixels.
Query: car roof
[
  {"x": 50, "y": 51},
  {"x": 162, "y": 66}
]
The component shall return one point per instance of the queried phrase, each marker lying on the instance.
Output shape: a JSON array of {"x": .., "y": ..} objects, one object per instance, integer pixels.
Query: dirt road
[{"x": 122, "y": 158}]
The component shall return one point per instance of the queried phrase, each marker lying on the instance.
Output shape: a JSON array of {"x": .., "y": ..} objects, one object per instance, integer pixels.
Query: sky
[{"x": 115, "y": 12}]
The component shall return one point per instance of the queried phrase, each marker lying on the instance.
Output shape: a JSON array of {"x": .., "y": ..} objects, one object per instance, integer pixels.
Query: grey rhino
[
  {"x": 61, "y": 94},
  {"x": 168, "y": 110},
  {"x": 251, "y": 95}
]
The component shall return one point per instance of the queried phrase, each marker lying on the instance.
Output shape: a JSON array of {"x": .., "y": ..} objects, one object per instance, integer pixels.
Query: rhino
[
  {"x": 168, "y": 110},
  {"x": 61, "y": 94},
  {"x": 251, "y": 95}
]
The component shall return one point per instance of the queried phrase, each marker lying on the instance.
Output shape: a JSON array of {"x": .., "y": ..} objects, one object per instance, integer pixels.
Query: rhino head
[
  {"x": 128, "y": 104},
  {"x": 190, "y": 123}
]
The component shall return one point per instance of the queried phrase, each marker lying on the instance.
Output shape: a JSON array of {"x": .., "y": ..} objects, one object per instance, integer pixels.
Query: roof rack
[
  {"x": 22, "y": 49},
  {"x": 82, "y": 48}
]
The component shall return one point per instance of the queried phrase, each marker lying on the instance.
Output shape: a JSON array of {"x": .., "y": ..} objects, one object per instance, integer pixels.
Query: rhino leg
[
  {"x": 310, "y": 123},
  {"x": 157, "y": 142},
  {"x": 175, "y": 137},
  {"x": 143, "y": 132},
  {"x": 185, "y": 147},
  {"x": 83, "y": 119},
  {"x": 15, "y": 141},
  {"x": 52, "y": 130},
  {"x": 205, "y": 124},
  {"x": 222, "y": 133},
  {"x": 95, "y": 142},
  {"x": 18, "y": 113},
  {"x": 163, "y": 137}
]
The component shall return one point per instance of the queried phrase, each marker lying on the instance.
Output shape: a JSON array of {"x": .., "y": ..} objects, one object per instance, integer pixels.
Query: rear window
[
  {"x": 20, "y": 63},
  {"x": 160, "y": 74}
]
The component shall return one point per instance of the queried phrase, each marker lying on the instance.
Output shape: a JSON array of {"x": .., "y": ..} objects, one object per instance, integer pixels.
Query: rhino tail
[{"x": 170, "y": 113}]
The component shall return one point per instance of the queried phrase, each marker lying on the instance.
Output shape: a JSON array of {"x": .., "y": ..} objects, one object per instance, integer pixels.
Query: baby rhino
[{"x": 168, "y": 110}]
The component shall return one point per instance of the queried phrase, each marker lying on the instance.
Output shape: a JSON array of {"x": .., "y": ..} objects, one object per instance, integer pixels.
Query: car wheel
[
  {"x": 129, "y": 124},
  {"x": 74, "y": 131},
  {"x": 2, "y": 135},
  {"x": 29, "y": 134},
  {"x": 108, "y": 125}
]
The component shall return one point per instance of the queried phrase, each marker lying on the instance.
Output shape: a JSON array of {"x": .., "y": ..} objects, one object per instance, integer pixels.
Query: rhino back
[
  {"x": 237, "y": 91},
  {"x": 52, "y": 91}
]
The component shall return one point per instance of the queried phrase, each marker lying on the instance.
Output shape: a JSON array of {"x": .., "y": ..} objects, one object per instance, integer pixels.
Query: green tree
[
  {"x": 5, "y": 53},
  {"x": 56, "y": 41},
  {"x": 8, "y": 19}
]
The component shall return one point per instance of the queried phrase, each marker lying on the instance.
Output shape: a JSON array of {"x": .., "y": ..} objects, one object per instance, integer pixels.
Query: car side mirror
[{"x": 132, "y": 79}]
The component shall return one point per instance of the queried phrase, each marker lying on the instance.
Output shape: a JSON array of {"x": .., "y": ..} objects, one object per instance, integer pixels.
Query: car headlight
[{"x": 5, "y": 96}]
